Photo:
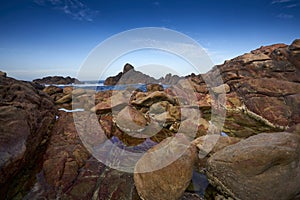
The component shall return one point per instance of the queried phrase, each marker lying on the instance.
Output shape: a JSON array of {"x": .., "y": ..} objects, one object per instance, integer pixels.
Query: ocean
[{"x": 99, "y": 86}]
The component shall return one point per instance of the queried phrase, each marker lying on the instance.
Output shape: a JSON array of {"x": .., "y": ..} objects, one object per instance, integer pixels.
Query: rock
[
  {"x": 3, "y": 74},
  {"x": 264, "y": 91},
  {"x": 152, "y": 98},
  {"x": 159, "y": 107},
  {"x": 295, "y": 46},
  {"x": 129, "y": 76},
  {"x": 115, "y": 102},
  {"x": 65, "y": 99},
  {"x": 56, "y": 80},
  {"x": 154, "y": 87},
  {"x": 127, "y": 68},
  {"x": 259, "y": 167},
  {"x": 221, "y": 89},
  {"x": 67, "y": 90},
  {"x": 113, "y": 80},
  {"x": 252, "y": 57},
  {"x": 208, "y": 145},
  {"x": 78, "y": 91},
  {"x": 155, "y": 181},
  {"x": 191, "y": 196},
  {"x": 164, "y": 118},
  {"x": 52, "y": 90},
  {"x": 169, "y": 79},
  {"x": 27, "y": 116},
  {"x": 130, "y": 120}
]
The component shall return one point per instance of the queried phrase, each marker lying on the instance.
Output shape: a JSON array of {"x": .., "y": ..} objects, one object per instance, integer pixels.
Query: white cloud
[
  {"x": 292, "y": 6},
  {"x": 73, "y": 8},
  {"x": 280, "y": 1},
  {"x": 285, "y": 16}
]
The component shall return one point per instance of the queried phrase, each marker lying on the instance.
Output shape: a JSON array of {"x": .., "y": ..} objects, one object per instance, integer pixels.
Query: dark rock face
[
  {"x": 265, "y": 166},
  {"x": 27, "y": 115},
  {"x": 131, "y": 76},
  {"x": 56, "y": 80},
  {"x": 2, "y": 74}
]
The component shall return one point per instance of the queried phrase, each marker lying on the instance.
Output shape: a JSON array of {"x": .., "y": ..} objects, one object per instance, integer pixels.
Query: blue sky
[{"x": 54, "y": 37}]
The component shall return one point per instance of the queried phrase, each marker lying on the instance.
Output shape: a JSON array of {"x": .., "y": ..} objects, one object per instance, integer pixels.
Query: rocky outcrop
[
  {"x": 129, "y": 76},
  {"x": 263, "y": 93},
  {"x": 27, "y": 115},
  {"x": 265, "y": 166},
  {"x": 56, "y": 80}
]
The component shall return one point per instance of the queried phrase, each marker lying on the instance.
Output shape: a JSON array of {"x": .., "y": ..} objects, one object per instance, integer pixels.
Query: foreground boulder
[
  {"x": 265, "y": 166},
  {"x": 26, "y": 117},
  {"x": 153, "y": 180}
]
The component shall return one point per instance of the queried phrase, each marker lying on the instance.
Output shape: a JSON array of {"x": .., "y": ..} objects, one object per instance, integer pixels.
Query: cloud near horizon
[{"x": 73, "y": 8}]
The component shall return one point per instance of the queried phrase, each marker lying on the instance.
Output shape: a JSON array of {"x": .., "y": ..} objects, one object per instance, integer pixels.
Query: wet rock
[
  {"x": 70, "y": 172},
  {"x": 27, "y": 115},
  {"x": 191, "y": 196},
  {"x": 259, "y": 167},
  {"x": 153, "y": 180}
]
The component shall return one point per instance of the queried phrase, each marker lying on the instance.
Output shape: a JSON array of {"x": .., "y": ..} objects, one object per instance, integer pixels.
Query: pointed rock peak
[
  {"x": 127, "y": 67},
  {"x": 295, "y": 45}
]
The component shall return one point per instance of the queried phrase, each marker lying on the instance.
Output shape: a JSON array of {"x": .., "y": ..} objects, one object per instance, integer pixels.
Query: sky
[{"x": 56, "y": 37}]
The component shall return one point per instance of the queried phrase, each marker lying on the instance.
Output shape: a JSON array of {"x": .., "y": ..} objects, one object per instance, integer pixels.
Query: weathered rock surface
[
  {"x": 155, "y": 181},
  {"x": 264, "y": 90},
  {"x": 264, "y": 166},
  {"x": 56, "y": 80},
  {"x": 70, "y": 172},
  {"x": 27, "y": 115},
  {"x": 131, "y": 120},
  {"x": 208, "y": 145}
]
